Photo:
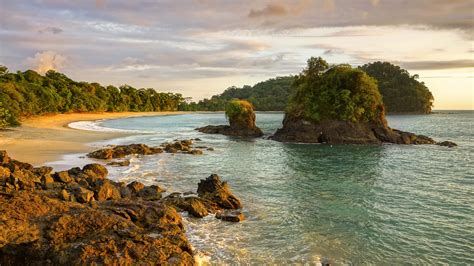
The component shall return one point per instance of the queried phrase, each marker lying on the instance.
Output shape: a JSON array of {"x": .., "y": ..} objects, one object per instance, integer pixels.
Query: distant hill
[
  {"x": 401, "y": 92},
  {"x": 269, "y": 95}
]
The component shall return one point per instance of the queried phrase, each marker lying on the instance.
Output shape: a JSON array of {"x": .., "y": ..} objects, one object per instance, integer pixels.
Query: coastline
[{"x": 47, "y": 138}]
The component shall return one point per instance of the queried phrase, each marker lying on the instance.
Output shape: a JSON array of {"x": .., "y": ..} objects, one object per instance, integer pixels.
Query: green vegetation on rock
[
  {"x": 28, "y": 93},
  {"x": 401, "y": 92},
  {"x": 335, "y": 93},
  {"x": 240, "y": 113}
]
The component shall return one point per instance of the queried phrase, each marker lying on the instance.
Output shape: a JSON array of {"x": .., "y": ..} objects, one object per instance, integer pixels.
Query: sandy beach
[{"x": 46, "y": 138}]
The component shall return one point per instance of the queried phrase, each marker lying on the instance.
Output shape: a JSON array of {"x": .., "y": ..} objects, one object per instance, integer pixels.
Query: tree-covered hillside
[
  {"x": 28, "y": 93},
  {"x": 269, "y": 95},
  {"x": 401, "y": 92}
]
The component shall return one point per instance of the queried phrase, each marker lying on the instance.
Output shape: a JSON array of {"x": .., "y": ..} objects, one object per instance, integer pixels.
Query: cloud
[
  {"x": 53, "y": 30},
  {"x": 375, "y": 2},
  {"x": 269, "y": 10},
  {"x": 47, "y": 60},
  {"x": 433, "y": 65}
]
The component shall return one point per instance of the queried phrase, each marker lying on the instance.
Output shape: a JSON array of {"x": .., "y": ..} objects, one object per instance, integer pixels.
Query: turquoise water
[{"x": 388, "y": 204}]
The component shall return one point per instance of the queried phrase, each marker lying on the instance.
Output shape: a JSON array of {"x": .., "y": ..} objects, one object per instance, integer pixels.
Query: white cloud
[{"x": 47, "y": 60}]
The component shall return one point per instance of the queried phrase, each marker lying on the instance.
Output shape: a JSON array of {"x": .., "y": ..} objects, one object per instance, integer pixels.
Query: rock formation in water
[
  {"x": 339, "y": 105},
  {"x": 120, "y": 151},
  {"x": 241, "y": 118},
  {"x": 80, "y": 217}
]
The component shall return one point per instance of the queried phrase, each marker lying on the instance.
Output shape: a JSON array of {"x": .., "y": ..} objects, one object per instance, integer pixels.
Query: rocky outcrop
[
  {"x": 231, "y": 131},
  {"x": 344, "y": 132},
  {"x": 213, "y": 189},
  {"x": 448, "y": 144},
  {"x": 80, "y": 217},
  {"x": 241, "y": 118},
  {"x": 120, "y": 151}
]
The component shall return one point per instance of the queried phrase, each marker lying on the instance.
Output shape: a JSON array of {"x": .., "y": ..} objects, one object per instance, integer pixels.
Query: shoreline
[{"x": 47, "y": 138}]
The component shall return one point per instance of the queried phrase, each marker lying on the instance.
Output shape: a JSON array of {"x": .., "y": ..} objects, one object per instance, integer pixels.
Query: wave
[{"x": 95, "y": 126}]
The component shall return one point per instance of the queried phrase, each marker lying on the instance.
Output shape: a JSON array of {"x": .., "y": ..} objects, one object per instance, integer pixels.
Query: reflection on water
[{"x": 310, "y": 203}]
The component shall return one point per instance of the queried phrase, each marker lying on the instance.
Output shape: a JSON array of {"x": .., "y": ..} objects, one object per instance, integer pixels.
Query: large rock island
[
  {"x": 241, "y": 118},
  {"x": 339, "y": 105}
]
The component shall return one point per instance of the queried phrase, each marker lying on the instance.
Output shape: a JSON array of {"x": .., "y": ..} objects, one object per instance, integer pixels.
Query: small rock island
[
  {"x": 339, "y": 105},
  {"x": 241, "y": 118}
]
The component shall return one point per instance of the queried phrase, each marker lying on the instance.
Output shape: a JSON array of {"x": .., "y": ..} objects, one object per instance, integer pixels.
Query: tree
[
  {"x": 339, "y": 93},
  {"x": 401, "y": 92}
]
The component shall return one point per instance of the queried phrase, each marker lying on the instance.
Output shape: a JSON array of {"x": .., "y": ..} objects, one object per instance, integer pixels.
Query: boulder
[
  {"x": 121, "y": 151},
  {"x": 230, "y": 216},
  {"x": 63, "y": 177},
  {"x": 152, "y": 193},
  {"x": 4, "y": 175},
  {"x": 213, "y": 189},
  {"x": 448, "y": 144},
  {"x": 194, "y": 206},
  {"x": 195, "y": 152},
  {"x": 106, "y": 191},
  {"x": 83, "y": 195},
  {"x": 95, "y": 171},
  {"x": 4, "y": 159},
  {"x": 135, "y": 187},
  {"x": 120, "y": 163}
]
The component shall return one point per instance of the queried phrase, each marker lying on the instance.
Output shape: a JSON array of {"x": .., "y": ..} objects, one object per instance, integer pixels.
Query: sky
[{"x": 201, "y": 47}]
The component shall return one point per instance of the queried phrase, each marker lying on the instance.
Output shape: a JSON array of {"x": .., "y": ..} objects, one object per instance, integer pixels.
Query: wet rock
[
  {"x": 230, "y": 216},
  {"x": 152, "y": 192},
  {"x": 83, "y": 195},
  {"x": 4, "y": 175},
  {"x": 95, "y": 171},
  {"x": 43, "y": 170},
  {"x": 135, "y": 187},
  {"x": 64, "y": 195},
  {"x": 448, "y": 144},
  {"x": 62, "y": 176},
  {"x": 48, "y": 182},
  {"x": 195, "y": 207},
  {"x": 49, "y": 231},
  {"x": 106, "y": 191},
  {"x": 4, "y": 159},
  {"x": 121, "y": 151},
  {"x": 120, "y": 163},
  {"x": 195, "y": 152},
  {"x": 213, "y": 189}
]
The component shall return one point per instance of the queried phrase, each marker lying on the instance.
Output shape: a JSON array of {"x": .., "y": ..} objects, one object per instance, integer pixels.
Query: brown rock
[
  {"x": 151, "y": 192},
  {"x": 216, "y": 191},
  {"x": 106, "y": 191},
  {"x": 448, "y": 144},
  {"x": 62, "y": 176},
  {"x": 120, "y": 163},
  {"x": 195, "y": 152},
  {"x": 83, "y": 195},
  {"x": 135, "y": 187},
  {"x": 230, "y": 216},
  {"x": 4, "y": 159},
  {"x": 95, "y": 171}
]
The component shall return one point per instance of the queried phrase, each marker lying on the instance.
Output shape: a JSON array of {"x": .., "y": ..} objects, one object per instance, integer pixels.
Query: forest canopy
[
  {"x": 335, "y": 93},
  {"x": 28, "y": 93},
  {"x": 269, "y": 95},
  {"x": 401, "y": 92}
]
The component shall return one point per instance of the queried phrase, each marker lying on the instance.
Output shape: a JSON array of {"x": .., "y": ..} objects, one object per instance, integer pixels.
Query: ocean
[{"x": 310, "y": 204}]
